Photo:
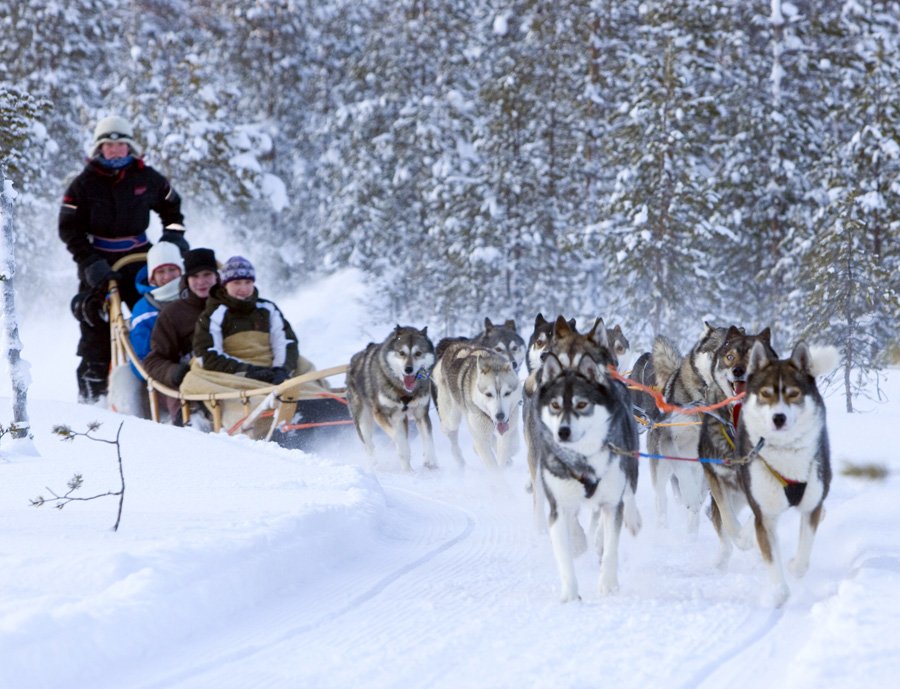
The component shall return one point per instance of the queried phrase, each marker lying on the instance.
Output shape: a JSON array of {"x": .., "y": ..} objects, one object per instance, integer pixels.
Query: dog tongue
[
  {"x": 502, "y": 427},
  {"x": 739, "y": 387},
  {"x": 409, "y": 382}
]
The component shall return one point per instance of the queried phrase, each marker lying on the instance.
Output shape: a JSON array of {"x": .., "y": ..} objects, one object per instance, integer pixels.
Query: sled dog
[
  {"x": 717, "y": 437},
  {"x": 482, "y": 386},
  {"x": 570, "y": 347},
  {"x": 586, "y": 444},
  {"x": 784, "y": 410},
  {"x": 540, "y": 341},
  {"x": 503, "y": 339},
  {"x": 619, "y": 347},
  {"x": 387, "y": 384},
  {"x": 685, "y": 381}
]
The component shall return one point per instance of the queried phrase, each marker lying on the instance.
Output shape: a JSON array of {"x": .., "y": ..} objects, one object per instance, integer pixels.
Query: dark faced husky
[
  {"x": 483, "y": 386},
  {"x": 502, "y": 339},
  {"x": 587, "y": 445},
  {"x": 784, "y": 410},
  {"x": 570, "y": 347},
  {"x": 730, "y": 366},
  {"x": 389, "y": 382},
  {"x": 685, "y": 382}
]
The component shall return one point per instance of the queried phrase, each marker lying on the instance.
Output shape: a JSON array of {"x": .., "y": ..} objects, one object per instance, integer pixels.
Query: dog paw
[
  {"x": 608, "y": 588},
  {"x": 568, "y": 595},
  {"x": 779, "y": 594},
  {"x": 632, "y": 518},
  {"x": 798, "y": 567}
]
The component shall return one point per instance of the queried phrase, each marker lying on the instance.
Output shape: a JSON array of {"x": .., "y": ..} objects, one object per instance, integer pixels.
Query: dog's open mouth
[
  {"x": 409, "y": 382},
  {"x": 502, "y": 427},
  {"x": 738, "y": 387}
]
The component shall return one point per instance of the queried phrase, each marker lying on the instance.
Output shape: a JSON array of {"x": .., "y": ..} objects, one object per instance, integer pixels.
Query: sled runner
[{"x": 296, "y": 413}]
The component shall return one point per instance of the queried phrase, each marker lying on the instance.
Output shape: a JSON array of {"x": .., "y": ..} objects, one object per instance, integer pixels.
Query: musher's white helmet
[{"x": 115, "y": 129}]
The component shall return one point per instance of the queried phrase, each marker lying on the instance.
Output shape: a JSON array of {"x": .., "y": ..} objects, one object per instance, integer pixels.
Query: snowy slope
[{"x": 242, "y": 564}]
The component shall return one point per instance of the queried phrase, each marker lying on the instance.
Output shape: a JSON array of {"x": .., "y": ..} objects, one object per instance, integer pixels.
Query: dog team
[{"x": 729, "y": 419}]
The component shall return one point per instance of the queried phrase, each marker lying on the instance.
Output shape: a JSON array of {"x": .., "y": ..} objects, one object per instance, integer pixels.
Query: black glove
[
  {"x": 263, "y": 374},
  {"x": 89, "y": 308},
  {"x": 98, "y": 273},
  {"x": 279, "y": 375},
  {"x": 179, "y": 373},
  {"x": 176, "y": 237}
]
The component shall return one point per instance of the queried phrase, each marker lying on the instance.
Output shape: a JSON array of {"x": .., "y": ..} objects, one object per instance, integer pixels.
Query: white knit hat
[
  {"x": 113, "y": 129},
  {"x": 163, "y": 254}
]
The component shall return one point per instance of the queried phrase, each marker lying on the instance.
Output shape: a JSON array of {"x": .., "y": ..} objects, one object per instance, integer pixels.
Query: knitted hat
[
  {"x": 237, "y": 268},
  {"x": 197, "y": 260},
  {"x": 163, "y": 254},
  {"x": 113, "y": 129}
]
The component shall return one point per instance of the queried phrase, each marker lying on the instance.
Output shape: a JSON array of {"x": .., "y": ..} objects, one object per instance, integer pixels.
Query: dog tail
[
  {"x": 666, "y": 358},
  {"x": 823, "y": 359}
]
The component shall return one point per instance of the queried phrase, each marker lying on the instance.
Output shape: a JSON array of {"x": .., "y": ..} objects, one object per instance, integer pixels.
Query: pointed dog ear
[
  {"x": 510, "y": 323},
  {"x": 487, "y": 324},
  {"x": 801, "y": 358},
  {"x": 589, "y": 369},
  {"x": 759, "y": 358},
  {"x": 598, "y": 334},
  {"x": 552, "y": 367},
  {"x": 539, "y": 321},
  {"x": 424, "y": 331},
  {"x": 562, "y": 328}
]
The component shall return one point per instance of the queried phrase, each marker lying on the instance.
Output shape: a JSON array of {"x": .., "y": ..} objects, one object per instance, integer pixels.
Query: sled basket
[{"x": 297, "y": 417}]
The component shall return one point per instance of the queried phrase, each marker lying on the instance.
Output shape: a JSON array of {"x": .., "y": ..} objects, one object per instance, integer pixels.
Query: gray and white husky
[
  {"x": 482, "y": 386},
  {"x": 502, "y": 339},
  {"x": 387, "y": 384},
  {"x": 587, "y": 445},
  {"x": 684, "y": 382},
  {"x": 784, "y": 411},
  {"x": 570, "y": 347}
]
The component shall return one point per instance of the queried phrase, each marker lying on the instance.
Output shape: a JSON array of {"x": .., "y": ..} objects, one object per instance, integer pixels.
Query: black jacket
[{"x": 110, "y": 203}]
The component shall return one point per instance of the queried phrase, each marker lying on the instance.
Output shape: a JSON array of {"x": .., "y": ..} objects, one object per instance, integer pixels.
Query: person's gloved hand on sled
[
  {"x": 99, "y": 272},
  {"x": 267, "y": 374}
]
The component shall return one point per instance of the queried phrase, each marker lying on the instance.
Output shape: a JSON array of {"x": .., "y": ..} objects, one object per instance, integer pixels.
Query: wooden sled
[{"x": 298, "y": 419}]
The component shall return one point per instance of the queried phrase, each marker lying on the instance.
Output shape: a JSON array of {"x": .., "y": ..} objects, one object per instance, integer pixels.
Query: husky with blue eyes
[{"x": 782, "y": 426}]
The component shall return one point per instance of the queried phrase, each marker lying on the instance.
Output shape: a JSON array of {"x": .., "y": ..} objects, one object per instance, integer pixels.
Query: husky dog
[
  {"x": 483, "y": 386},
  {"x": 389, "y": 382},
  {"x": 587, "y": 445},
  {"x": 540, "y": 341},
  {"x": 570, "y": 347},
  {"x": 717, "y": 435},
  {"x": 618, "y": 345},
  {"x": 685, "y": 381},
  {"x": 784, "y": 411},
  {"x": 503, "y": 339}
]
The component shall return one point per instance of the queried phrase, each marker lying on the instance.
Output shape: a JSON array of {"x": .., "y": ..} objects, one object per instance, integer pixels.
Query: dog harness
[{"x": 793, "y": 490}]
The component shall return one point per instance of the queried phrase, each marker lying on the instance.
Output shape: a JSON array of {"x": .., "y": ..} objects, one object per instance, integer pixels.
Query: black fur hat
[{"x": 200, "y": 259}]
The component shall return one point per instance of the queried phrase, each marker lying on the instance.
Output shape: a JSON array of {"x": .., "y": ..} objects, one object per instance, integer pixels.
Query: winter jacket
[
  {"x": 145, "y": 312},
  {"x": 115, "y": 204},
  {"x": 225, "y": 316},
  {"x": 172, "y": 339}
]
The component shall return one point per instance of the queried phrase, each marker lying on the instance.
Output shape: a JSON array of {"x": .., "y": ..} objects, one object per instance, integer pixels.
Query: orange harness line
[
  {"x": 291, "y": 427},
  {"x": 664, "y": 406}
]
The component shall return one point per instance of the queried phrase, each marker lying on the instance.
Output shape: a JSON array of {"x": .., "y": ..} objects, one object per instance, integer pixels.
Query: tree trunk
[{"x": 18, "y": 372}]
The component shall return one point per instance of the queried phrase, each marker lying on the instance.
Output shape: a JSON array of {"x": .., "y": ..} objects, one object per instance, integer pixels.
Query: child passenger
[{"x": 242, "y": 341}]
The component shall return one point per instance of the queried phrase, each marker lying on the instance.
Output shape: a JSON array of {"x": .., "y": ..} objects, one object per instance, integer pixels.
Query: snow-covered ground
[{"x": 244, "y": 564}]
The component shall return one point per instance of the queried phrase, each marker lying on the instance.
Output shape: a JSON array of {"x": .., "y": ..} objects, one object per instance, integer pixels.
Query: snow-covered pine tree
[{"x": 848, "y": 299}]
